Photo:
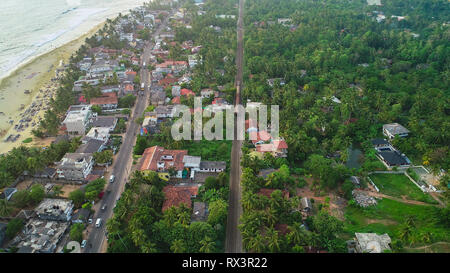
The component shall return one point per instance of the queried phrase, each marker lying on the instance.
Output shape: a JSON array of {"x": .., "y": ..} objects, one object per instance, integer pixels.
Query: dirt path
[
  {"x": 429, "y": 246},
  {"x": 402, "y": 200}
]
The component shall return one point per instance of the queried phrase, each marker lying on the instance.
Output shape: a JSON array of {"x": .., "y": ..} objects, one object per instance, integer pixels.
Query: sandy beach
[{"x": 26, "y": 92}]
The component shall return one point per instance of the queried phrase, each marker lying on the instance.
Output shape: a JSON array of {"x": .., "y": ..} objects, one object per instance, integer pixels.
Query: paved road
[
  {"x": 122, "y": 165},
  {"x": 233, "y": 242}
]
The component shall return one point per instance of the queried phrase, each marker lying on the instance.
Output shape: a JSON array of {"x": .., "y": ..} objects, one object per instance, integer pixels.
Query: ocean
[{"x": 30, "y": 28}]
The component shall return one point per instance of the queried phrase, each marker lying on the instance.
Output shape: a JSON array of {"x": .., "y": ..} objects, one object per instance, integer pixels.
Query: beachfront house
[{"x": 77, "y": 119}]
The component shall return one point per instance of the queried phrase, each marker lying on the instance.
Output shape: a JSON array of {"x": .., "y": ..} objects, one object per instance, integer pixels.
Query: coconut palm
[
  {"x": 207, "y": 245},
  {"x": 178, "y": 246},
  {"x": 5, "y": 207},
  {"x": 273, "y": 240}
]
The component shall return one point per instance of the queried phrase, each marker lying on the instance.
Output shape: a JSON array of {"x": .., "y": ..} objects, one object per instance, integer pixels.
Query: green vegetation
[
  {"x": 76, "y": 232},
  {"x": 14, "y": 226},
  {"x": 28, "y": 140},
  {"x": 398, "y": 185},
  {"x": 127, "y": 101},
  {"x": 21, "y": 159},
  {"x": 391, "y": 217}
]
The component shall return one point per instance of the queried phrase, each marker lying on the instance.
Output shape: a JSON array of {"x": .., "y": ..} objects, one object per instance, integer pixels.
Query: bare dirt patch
[{"x": 67, "y": 189}]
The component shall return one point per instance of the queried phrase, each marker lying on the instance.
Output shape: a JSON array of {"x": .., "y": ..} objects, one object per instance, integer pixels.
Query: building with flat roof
[
  {"x": 77, "y": 119},
  {"x": 372, "y": 243},
  {"x": 54, "y": 209},
  {"x": 40, "y": 236},
  {"x": 394, "y": 129},
  {"x": 75, "y": 166}
]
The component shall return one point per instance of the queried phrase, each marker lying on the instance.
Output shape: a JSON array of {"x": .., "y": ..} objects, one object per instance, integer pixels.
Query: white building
[
  {"x": 98, "y": 133},
  {"x": 75, "y": 166},
  {"x": 77, "y": 119}
]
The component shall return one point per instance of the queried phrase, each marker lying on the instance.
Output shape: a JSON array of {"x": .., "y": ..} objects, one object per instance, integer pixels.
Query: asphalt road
[
  {"x": 233, "y": 242},
  {"x": 122, "y": 165}
]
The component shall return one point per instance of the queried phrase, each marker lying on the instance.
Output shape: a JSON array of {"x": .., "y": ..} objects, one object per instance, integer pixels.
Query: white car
[
  {"x": 98, "y": 223},
  {"x": 111, "y": 178},
  {"x": 83, "y": 244}
]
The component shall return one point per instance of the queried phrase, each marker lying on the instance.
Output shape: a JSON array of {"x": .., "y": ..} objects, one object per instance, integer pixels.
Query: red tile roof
[
  {"x": 106, "y": 98},
  {"x": 129, "y": 88},
  {"x": 260, "y": 136},
  {"x": 280, "y": 144},
  {"x": 176, "y": 100},
  {"x": 131, "y": 73},
  {"x": 153, "y": 155},
  {"x": 186, "y": 92},
  {"x": 175, "y": 195}
]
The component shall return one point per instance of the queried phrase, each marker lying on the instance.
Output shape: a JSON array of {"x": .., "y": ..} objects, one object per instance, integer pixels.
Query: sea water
[{"x": 29, "y": 28}]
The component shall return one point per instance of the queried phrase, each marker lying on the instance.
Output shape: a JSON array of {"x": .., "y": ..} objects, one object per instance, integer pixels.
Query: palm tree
[
  {"x": 57, "y": 190},
  {"x": 207, "y": 245},
  {"x": 257, "y": 243},
  {"x": 5, "y": 207},
  {"x": 178, "y": 246},
  {"x": 273, "y": 240}
]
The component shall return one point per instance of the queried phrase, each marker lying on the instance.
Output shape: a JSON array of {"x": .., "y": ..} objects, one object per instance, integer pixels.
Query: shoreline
[{"x": 35, "y": 76}]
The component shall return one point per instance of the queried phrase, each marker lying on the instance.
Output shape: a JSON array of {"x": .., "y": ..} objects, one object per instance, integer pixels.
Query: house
[
  {"x": 158, "y": 159},
  {"x": 75, "y": 166},
  {"x": 98, "y": 133},
  {"x": 259, "y": 137},
  {"x": 278, "y": 148},
  {"x": 91, "y": 146},
  {"x": 110, "y": 88},
  {"x": 306, "y": 205},
  {"x": 193, "y": 60},
  {"x": 192, "y": 162},
  {"x": 105, "y": 122},
  {"x": 164, "y": 111},
  {"x": 81, "y": 216},
  {"x": 7, "y": 193},
  {"x": 394, "y": 129},
  {"x": 271, "y": 82},
  {"x": 372, "y": 243},
  {"x": 106, "y": 101},
  {"x": 158, "y": 98},
  {"x": 206, "y": 93},
  {"x": 176, "y": 195},
  {"x": 128, "y": 89},
  {"x": 54, "y": 210},
  {"x": 212, "y": 166},
  {"x": 264, "y": 173},
  {"x": 380, "y": 143},
  {"x": 176, "y": 89},
  {"x": 77, "y": 119},
  {"x": 186, "y": 92},
  {"x": 200, "y": 212},
  {"x": 46, "y": 173},
  {"x": 393, "y": 158},
  {"x": 40, "y": 236}
]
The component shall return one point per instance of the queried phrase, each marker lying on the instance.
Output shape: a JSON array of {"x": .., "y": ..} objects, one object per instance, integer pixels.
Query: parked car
[{"x": 83, "y": 243}]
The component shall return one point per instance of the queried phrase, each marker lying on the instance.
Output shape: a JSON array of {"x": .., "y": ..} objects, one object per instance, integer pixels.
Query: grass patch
[
  {"x": 398, "y": 185},
  {"x": 391, "y": 215},
  {"x": 218, "y": 150},
  {"x": 28, "y": 140}
]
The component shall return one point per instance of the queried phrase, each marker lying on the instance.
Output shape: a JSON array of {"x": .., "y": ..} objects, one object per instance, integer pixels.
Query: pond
[{"x": 354, "y": 155}]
